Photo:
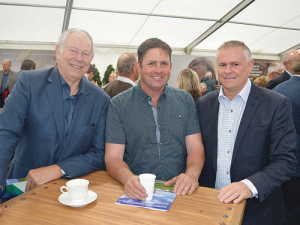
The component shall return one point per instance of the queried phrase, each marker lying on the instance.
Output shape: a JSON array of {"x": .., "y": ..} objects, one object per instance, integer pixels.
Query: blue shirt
[
  {"x": 69, "y": 104},
  {"x": 153, "y": 144},
  {"x": 230, "y": 115},
  {"x": 4, "y": 81}
]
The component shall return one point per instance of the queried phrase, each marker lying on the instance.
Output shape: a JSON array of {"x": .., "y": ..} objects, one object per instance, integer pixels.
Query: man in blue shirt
[
  {"x": 54, "y": 120},
  {"x": 153, "y": 128},
  {"x": 8, "y": 78}
]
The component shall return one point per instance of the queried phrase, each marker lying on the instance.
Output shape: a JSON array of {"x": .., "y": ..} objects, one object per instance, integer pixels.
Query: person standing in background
[
  {"x": 291, "y": 193},
  {"x": 8, "y": 79}
]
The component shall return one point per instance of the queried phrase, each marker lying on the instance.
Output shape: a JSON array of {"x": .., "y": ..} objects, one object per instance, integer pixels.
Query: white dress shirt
[{"x": 230, "y": 115}]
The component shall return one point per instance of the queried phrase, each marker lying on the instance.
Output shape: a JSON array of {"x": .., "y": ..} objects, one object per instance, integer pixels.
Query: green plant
[{"x": 108, "y": 71}]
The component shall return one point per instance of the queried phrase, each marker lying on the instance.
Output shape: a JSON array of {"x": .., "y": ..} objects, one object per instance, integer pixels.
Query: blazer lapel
[
  {"x": 251, "y": 106},
  {"x": 82, "y": 106},
  {"x": 54, "y": 92},
  {"x": 214, "y": 124}
]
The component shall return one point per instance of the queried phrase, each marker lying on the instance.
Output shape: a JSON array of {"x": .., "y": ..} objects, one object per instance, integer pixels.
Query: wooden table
[{"x": 41, "y": 206}]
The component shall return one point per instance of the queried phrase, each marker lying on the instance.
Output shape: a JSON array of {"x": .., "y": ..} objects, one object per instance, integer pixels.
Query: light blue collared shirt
[{"x": 230, "y": 115}]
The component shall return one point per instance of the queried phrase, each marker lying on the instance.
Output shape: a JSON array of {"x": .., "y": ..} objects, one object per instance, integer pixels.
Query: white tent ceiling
[{"x": 268, "y": 27}]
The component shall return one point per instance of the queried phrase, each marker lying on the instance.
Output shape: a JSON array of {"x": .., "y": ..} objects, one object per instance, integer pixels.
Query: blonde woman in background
[
  {"x": 261, "y": 81},
  {"x": 188, "y": 80}
]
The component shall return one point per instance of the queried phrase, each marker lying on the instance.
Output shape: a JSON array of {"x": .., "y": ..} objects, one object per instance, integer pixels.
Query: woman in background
[{"x": 188, "y": 80}]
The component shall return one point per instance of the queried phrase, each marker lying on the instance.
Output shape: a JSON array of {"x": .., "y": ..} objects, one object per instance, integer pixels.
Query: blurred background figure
[
  {"x": 261, "y": 81},
  {"x": 291, "y": 187},
  {"x": 28, "y": 64},
  {"x": 112, "y": 76},
  {"x": 203, "y": 88},
  {"x": 127, "y": 75},
  {"x": 287, "y": 74},
  {"x": 202, "y": 66},
  {"x": 8, "y": 78},
  {"x": 188, "y": 80},
  {"x": 91, "y": 73},
  {"x": 274, "y": 70}
]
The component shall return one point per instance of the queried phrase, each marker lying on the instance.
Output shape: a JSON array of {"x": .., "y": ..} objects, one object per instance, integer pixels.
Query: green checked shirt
[{"x": 154, "y": 138}]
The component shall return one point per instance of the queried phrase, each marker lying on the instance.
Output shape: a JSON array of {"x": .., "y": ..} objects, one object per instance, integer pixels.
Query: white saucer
[{"x": 64, "y": 199}]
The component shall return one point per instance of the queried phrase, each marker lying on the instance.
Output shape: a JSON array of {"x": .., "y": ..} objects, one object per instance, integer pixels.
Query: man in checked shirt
[{"x": 249, "y": 139}]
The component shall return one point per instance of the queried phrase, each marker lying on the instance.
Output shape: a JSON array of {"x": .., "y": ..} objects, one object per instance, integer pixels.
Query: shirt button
[
  {"x": 179, "y": 116},
  {"x": 158, "y": 125},
  {"x": 231, "y": 110},
  {"x": 228, "y": 151},
  {"x": 162, "y": 161},
  {"x": 229, "y": 131},
  {"x": 161, "y": 143},
  {"x": 227, "y": 172}
]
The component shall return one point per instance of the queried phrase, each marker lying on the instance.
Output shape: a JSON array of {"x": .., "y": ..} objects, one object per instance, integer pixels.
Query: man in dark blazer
[
  {"x": 249, "y": 139},
  {"x": 54, "y": 119},
  {"x": 291, "y": 187},
  {"x": 8, "y": 78},
  {"x": 288, "y": 63}
]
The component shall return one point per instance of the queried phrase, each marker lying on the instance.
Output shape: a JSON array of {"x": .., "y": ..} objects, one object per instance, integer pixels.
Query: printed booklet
[
  {"x": 14, "y": 187},
  {"x": 162, "y": 198}
]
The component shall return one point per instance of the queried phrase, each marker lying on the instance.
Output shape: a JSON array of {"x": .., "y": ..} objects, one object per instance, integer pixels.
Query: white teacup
[
  {"x": 77, "y": 189},
  {"x": 147, "y": 180}
]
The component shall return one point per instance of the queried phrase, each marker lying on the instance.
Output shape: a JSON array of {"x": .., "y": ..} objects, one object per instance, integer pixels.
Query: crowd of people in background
[{"x": 217, "y": 128}]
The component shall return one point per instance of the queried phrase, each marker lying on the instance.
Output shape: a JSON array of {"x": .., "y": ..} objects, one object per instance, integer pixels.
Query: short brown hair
[{"x": 152, "y": 43}]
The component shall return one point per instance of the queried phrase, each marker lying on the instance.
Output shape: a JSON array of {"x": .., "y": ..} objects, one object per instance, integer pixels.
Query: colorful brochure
[
  {"x": 14, "y": 187},
  {"x": 162, "y": 198}
]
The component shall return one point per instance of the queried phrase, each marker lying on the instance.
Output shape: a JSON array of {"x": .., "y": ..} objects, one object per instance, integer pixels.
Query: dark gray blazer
[
  {"x": 11, "y": 80},
  {"x": 277, "y": 80},
  {"x": 32, "y": 124},
  {"x": 264, "y": 150}
]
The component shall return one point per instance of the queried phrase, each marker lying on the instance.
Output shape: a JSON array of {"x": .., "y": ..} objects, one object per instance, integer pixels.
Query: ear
[
  {"x": 138, "y": 67},
  {"x": 250, "y": 64},
  {"x": 57, "y": 51}
]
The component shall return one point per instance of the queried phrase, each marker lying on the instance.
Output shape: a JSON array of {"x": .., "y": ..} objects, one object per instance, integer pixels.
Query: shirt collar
[
  {"x": 6, "y": 73},
  {"x": 289, "y": 73},
  {"x": 126, "y": 80},
  {"x": 64, "y": 85},
  {"x": 145, "y": 95},
  {"x": 244, "y": 93}
]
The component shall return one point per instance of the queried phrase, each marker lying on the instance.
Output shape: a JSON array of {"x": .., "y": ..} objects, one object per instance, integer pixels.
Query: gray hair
[
  {"x": 274, "y": 67},
  {"x": 8, "y": 61},
  {"x": 63, "y": 37},
  {"x": 236, "y": 44},
  {"x": 203, "y": 85}
]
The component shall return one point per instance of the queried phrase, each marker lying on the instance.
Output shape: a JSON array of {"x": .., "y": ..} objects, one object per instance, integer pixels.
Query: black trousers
[
  {"x": 291, "y": 194},
  {"x": 1, "y": 100}
]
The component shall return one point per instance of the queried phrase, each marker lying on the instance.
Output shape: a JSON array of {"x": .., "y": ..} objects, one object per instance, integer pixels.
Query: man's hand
[
  {"x": 235, "y": 192},
  {"x": 184, "y": 184},
  {"x": 133, "y": 188},
  {"x": 37, "y": 177}
]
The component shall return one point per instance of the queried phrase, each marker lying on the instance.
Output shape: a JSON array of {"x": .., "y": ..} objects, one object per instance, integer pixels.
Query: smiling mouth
[
  {"x": 76, "y": 67},
  {"x": 157, "y": 78}
]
